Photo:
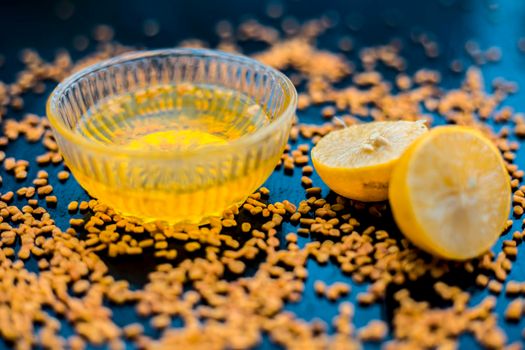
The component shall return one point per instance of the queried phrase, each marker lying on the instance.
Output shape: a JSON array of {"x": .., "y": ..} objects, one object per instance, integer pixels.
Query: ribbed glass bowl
[{"x": 180, "y": 185}]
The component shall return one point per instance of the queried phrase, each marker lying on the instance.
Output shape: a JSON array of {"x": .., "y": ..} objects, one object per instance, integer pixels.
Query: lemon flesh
[
  {"x": 450, "y": 193},
  {"x": 357, "y": 161}
]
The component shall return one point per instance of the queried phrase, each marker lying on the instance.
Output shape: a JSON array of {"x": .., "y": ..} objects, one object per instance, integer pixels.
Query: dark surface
[{"x": 36, "y": 24}]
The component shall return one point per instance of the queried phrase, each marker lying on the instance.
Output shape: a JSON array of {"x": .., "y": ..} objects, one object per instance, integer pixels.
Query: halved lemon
[
  {"x": 357, "y": 161},
  {"x": 450, "y": 193}
]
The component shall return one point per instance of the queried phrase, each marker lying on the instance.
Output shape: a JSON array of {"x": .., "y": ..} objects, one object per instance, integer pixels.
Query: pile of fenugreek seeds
[{"x": 228, "y": 284}]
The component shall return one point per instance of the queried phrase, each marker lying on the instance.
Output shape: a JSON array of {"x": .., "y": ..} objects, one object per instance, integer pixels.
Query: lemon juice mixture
[{"x": 174, "y": 119}]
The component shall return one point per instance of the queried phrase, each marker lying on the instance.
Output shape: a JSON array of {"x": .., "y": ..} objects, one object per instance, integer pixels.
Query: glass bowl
[{"x": 238, "y": 122}]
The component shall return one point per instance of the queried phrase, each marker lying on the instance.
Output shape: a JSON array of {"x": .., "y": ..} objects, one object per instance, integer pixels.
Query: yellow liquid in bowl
[
  {"x": 175, "y": 118},
  {"x": 173, "y": 139}
]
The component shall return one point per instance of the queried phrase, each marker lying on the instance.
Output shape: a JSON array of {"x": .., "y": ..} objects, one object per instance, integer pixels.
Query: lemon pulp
[
  {"x": 450, "y": 193},
  {"x": 357, "y": 161}
]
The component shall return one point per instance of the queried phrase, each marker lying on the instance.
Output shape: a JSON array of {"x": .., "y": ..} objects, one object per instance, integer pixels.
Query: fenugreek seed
[
  {"x": 80, "y": 286},
  {"x": 232, "y": 243},
  {"x": 229, "y": 223},
  {"x": 256, "y": 203},
  {"x": 171, "y": 254},
  {"x": 289, "y": 165},
  {"x": 319, "y": 287},
  {"x": 236, "y": 266},
  {"x": 365, "y": 298},
  {"x": 40, "y": 182},
  {"x": 506, "y": 264},
  {"x": 133, "y": 250},
  {"x": 512, "y": 288},
  {"x": 161, "y": 245},
  {"x": 289, "y": 207},
  {"x": 9, "y": 164},
  {"x": 295, "y": 217},
  {"x": 21, "y": 191},
  {"x": 303, "y": 231},
  {"x": 374, "y": 331},
  {"x": 45, "y": 190},
  {"x": 56, "y": 158},
  {"x": 267, "y": 226},
  {"x": 50, "y": 144},
  {"x": 301, "y": 160},
  {"x": 30, "y": 192},
  {"x": 43, "y": 159},
  {"x": 313, "y": 191},
  {"x": 319, "y": 202},
  {"x": 514, "y": 310},
  {"x": 51, "y": 199},
  {"x": 511, "y": 252},
  {"x": 328, "y": 112},
  {"x": 133, "y": 330},
  {"x": 76, "y": 222},
  {"x": 291, "y": 237},
  {"x": 161, "y": 253},
  {"x": 146, "y": 243},
  {"x": 332, "y": 294},
  {"x": 63, "y": 175},
  {"x": 307, "y": 170},
  {"x": 192, "y": 246},
  {"x": 83, "y": 206},
  {"x": 495, "y": 287},
  {"x": 306, "y": 181},
  {"x": 304, "y": 209},
  {"x": 509, "y": 243},
  {"x": 247, "y": 206},
  {"x": 8, "y": 251},
  {"x": 304, "y": 148},
  {"x": 20, "y": 175},
  {"x": 72, "y": 206},
  {"x": 482, "y": 280},
  {"x": 264, "y": 191},
  {"x": 256, "y": 210},
  {"x": 160, "y": 321},
  {"x": 76, "y": 343},
  {"x": 24, "y": 253},
  {"x": 7, "y": 197},
  {"x": 306, "y": 221},
  {"x": 42, "y": 174}
]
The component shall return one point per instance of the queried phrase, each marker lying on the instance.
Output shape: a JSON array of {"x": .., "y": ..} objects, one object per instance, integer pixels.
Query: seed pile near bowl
[{"x": 227, "y": 284}]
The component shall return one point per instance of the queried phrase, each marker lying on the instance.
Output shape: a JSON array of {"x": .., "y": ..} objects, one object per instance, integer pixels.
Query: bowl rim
[{"x": 241, "y": 142}]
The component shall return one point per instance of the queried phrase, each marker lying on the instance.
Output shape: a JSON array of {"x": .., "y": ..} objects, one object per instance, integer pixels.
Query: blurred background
[
  {"x": 53, "y": 24},
  {"x": 56, "y": 23},
  {"x": 488, "y": 24}
]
